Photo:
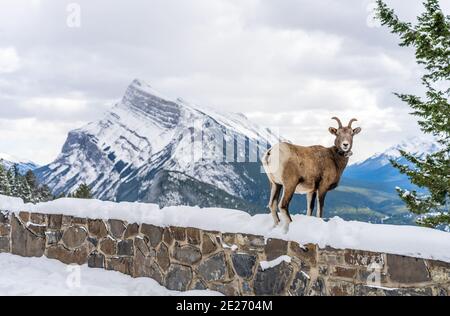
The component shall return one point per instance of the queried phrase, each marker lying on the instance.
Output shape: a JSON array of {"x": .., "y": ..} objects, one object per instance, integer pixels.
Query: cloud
[
  {"x": 294, "y": 63},
  {"x": 9, "y": 60}
]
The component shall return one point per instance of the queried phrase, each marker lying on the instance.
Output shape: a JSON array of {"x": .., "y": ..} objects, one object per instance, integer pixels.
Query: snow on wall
[{"x": 402, "y": 240}]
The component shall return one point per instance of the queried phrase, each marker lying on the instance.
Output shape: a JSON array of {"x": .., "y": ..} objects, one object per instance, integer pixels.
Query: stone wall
[{"x": 187, "y": 258}]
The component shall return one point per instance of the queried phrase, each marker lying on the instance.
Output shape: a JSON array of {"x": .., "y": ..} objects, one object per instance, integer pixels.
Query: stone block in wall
[
  {"x": 125, "y": 248},
  {"x": 38, "y": 230},
  {"x": 187, "y": 254},
  {"x": 306, "y": 253},
  {"x": 131, "y": 231},
  {"x": 439, "y": 271},
  {"x": 178, "y": 278},
  {"x": 214, "y": 268},
  {"x": 66, "y": 221},
  {"x": 54, "y": 221},
  {"x": 108, "y": 246},
  {"x": 440, "y": 291},
  {"x": 53, "y": 237},
  {"x": 4, "y": 217},
  {"x": 407, "y": 270},
  {"x": 77, "y": 256},
  {"x": 250, "y": 243},
  {"x": 331, "y": 256},
  {"x": 97, "y": 228},
  {"x": 23, "y": 242},
  {"x": 227, "y": 289},
  {"x": 116, "y": 228},
  {"x": 275, "y": 248},
  {"x": 247, "y": 288},
  {"x": 363, "y": 258},
  {"x": 167, "y": 237},
  {"x": 340, "y": 288},
  {"x": 141, "y": 245},
  {"x": 343, "y": 272},
  {"x": 209, "y": 245},
  {"x": 363, "y": 290},
  {"x": 162, "y": 257},
  {"x": 229, "y": 239},
  {"x": 153, "y": 233},
  {"x": 24, "y": 217},
  {"x": 193, "y": 236},
  {"x": 96, "y": 260},
  {"x": 244, "y": 264},
  {"x": 299, "y": 284},
  {"x": 79, "y": 221},
  {"x": 198, "y": 285},
  {"x": 5, "y": 244},
  {"x": 366, "y": 276},
  {"x": 93, "y": 241},
  {"x": 120, "y": 264},
  {"x": 178, "y": 233},
  {"x": 39, "y": 219},
  {"x": 323, "y": 270},
  {"x": 74, "y": 236},
  {"x": 318, "y": 287},
  {"x": 147, "y": 267},
  {"x": 5, "y": 230},
  {"x": 273, "y": 281}
]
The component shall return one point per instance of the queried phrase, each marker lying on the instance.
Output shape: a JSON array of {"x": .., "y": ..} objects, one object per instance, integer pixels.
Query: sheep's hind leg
[
  {"x": 321, "y": 203},
  {"x": 273, "y": 203},
  {"x": 288, "y": 193},
  {"x": 310, "y": 201}
]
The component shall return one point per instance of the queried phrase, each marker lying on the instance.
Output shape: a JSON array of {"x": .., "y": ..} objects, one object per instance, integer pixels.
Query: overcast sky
[{"x": 287, "y": 63}]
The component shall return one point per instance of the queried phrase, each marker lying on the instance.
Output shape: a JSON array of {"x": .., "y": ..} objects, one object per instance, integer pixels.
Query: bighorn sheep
[{"x": 311, "y": 170}]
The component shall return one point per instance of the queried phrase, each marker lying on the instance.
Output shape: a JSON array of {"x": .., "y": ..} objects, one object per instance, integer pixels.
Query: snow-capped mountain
[
  {"x": 378, "y": 169},
  {"x": 151, "y": 148},
  {"x": 23, "y": 165},
  {"x": 415, "y": 145}
]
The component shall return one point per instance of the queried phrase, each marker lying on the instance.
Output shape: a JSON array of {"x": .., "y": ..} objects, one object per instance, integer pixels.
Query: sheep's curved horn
[
  {"x": 338, "y": 120},
  {"x": 351, "y": 122}
]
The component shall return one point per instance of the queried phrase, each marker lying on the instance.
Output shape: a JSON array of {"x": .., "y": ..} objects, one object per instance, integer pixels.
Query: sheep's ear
[
  {"x": 356, "y": 131},
  {"x": 333, "y": 130}
]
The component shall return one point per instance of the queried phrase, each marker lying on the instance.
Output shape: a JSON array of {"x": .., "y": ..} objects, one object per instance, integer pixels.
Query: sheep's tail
[{"x": 267, "y": 157}]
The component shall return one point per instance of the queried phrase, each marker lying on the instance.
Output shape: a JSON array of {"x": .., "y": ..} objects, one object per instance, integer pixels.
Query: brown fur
[{"x": 312, "y": 170}]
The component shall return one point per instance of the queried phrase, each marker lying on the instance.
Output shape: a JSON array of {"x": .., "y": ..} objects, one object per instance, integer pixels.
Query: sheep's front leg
[
  {"x": 321, "y": 202},
  {"x": 273, "y": 203},
  {"x": 288, "y": 193},
  {"x": 310, "y": 201}
]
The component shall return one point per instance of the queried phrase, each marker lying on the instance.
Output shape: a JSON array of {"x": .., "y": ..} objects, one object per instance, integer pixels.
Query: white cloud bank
[
  {"x": 9, "y": 60},
  {"x": 291, "y": 63}
]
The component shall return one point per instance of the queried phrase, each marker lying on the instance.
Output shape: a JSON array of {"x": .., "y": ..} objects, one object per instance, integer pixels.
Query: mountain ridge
[{"x": 121, "y": 154}]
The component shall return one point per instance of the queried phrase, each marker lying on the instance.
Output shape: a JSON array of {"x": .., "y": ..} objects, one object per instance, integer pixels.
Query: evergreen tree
[
  {"x": 430, "y": 38},
  {"x": 26, "y": 192},
  {"x": 5, "y": 188},
  {"x": 13, "y": 179},
  {"x": 83, "y": 192},
  {"x": 44, "y": 194},
  {"x": 31, "y": 180}
]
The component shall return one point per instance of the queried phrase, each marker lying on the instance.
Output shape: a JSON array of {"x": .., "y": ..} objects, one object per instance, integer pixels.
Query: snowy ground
[
  {"x": 45, "y": 277},
  {"x": 403, "y": 240}
]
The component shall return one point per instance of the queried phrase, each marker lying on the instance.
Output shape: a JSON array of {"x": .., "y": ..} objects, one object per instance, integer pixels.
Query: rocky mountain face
[{"x": 150, "y": 148}]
